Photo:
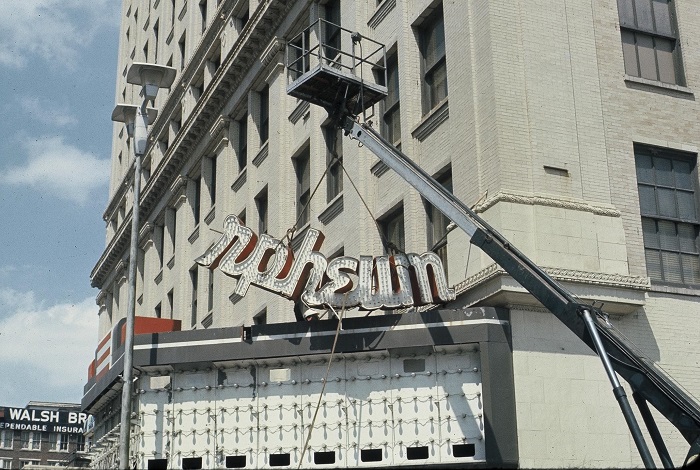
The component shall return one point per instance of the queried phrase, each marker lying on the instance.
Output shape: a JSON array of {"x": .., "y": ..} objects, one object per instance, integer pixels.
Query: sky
[{"x": 58, "y": 62}]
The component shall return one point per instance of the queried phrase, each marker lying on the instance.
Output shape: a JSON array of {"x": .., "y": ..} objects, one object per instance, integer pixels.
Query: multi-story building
[
  {"x": 43, "y": 434},
  {"x": 571, "y": 126}
]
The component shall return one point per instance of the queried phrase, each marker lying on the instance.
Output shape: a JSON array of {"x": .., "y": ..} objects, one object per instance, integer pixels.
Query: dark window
[
  {"x": 334, "y": 162},
  {"x": 391, "y": 108},
  {"x": 394, "y": 232},
  {"x": 158, "y": 311},
  {"x": 264, "y": 115},
  {"x": 203, "y": 14},
  {"x": 156, "y": 31},
  {"x": 299, "y": 59},
  {"x": 434, "y": 65},
  {"x": 161, "y": 244},
  {"x": 170, "y": 304},
  {"x": 242, "y": 153},
  {"x": 194, "y": 280},
  {"x": 303, "y": 174},
  {"x": 261, "y": 318},
  {"x": 437, "y": 223},
  {"x": 650, "y": 43},
  {"x": 210, "y": 293},
  {"x": 667, "y": 184},
  {"x": 332, "y": 31},
  {"x": 212, "y": 181},
  {"x": 181, "y": 45},
  {"x": 261, "y": 204},
  {"x": 197, "y": 199}
]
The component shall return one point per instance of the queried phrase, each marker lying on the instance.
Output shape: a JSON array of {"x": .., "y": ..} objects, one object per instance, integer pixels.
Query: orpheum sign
[
  {"x": 32, "y": 419},
  {"x": 387, "y": 282}
]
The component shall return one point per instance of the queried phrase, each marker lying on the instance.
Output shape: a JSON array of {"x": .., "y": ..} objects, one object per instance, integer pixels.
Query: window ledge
[
  {"x": 675, "y": 289},
  {"x": 335, "y": 207},
  {"x": 379, "y": 168},
  {"x": 382, "y": 11},
  {"x": 299, "y": 236},
  {"x": 432, "y": 120},
  {"x": 171, "y": 262},
  {"x": 210, "y": 216},
  {"x": 301, "y": 110},
  {"x": 240, "y": 180},
  {"x": 262, "y": 154},
  {"x": 159, "y": 277},
  {"x": 631, "y": 79},
  {"x": 194, "y": 236}
]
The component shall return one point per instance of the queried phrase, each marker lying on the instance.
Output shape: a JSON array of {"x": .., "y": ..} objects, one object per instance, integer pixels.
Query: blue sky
[{"x": 57, "y": 79}]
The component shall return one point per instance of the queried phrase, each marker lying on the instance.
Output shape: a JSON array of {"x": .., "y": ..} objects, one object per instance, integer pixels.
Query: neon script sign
[{"x": 388, "y": 282}]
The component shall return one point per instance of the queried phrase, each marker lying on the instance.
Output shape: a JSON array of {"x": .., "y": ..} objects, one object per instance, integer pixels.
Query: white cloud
[
  {"x": 45, "y": 351},
  {"x": 59, "y": 169},
  {"x": 46, "y": 112},
  {"x": 52, "y": 29}
]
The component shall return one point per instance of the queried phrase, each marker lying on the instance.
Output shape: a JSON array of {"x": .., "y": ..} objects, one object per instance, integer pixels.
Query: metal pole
[
  {"x": 619, "y": 393},
  {"x": 140, "y": 129},
  {"x": 653, "y": 430}
]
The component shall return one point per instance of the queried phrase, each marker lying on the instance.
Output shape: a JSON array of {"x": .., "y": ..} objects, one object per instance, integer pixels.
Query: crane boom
[{"x": 648, "y": 382}]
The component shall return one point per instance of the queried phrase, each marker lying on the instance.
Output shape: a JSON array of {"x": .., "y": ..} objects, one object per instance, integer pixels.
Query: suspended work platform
[{"x": 327, "y": 66}]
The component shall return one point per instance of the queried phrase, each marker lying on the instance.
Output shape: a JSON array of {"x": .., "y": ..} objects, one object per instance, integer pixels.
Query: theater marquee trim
[{"x": 387, "y": 282}]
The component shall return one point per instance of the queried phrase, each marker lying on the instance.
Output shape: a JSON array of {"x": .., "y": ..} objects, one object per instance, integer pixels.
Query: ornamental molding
[
  {"x": 515, "y": 198},
  {"x": 274, "y": 46},
  {"x": 570, "y": 275},
  {"x": 382, "y": 11}
]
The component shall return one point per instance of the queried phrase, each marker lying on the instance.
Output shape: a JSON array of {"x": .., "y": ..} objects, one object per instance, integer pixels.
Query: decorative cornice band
[
  {"x": 546, "y": 201},
  {"x": 275, "y": 45},
  {"x": 379, "y": 168},
  {"x": 432, "y": 121},
  {"x": 560, "y": 274},
  {"x": 300, "y": 110},
  {"x": 262, "y": 154},
  {"x": 332, "y": 211}
]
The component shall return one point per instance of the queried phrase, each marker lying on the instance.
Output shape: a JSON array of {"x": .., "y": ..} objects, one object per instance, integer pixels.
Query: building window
[
  {"x": 437, "y": 222},
  {"x": 391, "y": 108},
  {"x": 6, "y": 439},
  {"x": 210, "y": 292},
  {"x": 434, "y": 65},
  {"x": 156, "y": 33},
  {"x": 393, "y": 231},
  {"x": 332, "y": 31},
  {"x": 5, "y": 463},
  {"x": 650, "y": 44},
  {"x": 303, "y": 174},
  {"x": 242, "y": 151},
  {"x": 197, "y": 199},
  {"x": 31, "y": 440},
  {"x": 194, "y": 281},
  {"x": 334, "y": 161},
  {"x": 212, "y": 181},
  {"x": 261, "y": 204},
  {"x": 80, "y": 443},
  {"x": 58, "y": 442},
  {"x": 261, "y": 317},
  {"x": 158, "y": 312},
  {"x": 264, "y": 114},
  {"x": 203, "y": 14},
  {"x": 667, "y": 184},
  {"x": 170, "y": 304},
  {"x": 181, "y": 45},
  {"x": 23, "y": 463}
]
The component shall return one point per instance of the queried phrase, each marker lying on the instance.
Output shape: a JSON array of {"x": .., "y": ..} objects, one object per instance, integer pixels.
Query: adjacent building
[
  {"x": 570, "y": 126},
  {"x": 42, "y": 433}
]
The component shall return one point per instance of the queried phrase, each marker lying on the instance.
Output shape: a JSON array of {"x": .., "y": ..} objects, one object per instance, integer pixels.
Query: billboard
[{"x": 43, "y": 420}]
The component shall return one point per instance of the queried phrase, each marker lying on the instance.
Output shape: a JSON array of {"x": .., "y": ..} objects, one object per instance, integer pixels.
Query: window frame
[
  {"x": 657, "y": 242},
  {"x": 431, "y": 92},
  {"x": 390, "y": 107},
  {"x": 333, "y": 137},
  {"x": 437, "y": 222},
  {"x": 302, "y": 171},
  {"x": 394, "y": 218},
  {"x": 637, "y": 28}
]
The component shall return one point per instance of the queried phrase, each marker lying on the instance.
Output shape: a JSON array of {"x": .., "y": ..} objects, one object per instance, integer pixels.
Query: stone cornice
[
  {"x": 561, "y": 274},
  {"x": 546, "y": 201}
]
